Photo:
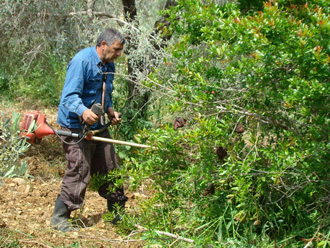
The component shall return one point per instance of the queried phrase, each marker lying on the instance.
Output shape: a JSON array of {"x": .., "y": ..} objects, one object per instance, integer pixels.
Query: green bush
[
  {"x": 4, "y": 82},
  {"x": 12, "y": 147},
  {"x": 43, "y": 81},
  {"x": 267, "y": 71}
]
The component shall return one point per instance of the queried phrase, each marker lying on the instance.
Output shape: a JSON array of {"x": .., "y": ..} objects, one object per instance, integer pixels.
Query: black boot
[
  {"x": 117, "y": 209},
  {"x": 61, "y": 216}
]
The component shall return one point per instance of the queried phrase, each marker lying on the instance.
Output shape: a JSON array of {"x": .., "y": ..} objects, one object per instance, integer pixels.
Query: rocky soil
[{"x": 26, "y": 204}]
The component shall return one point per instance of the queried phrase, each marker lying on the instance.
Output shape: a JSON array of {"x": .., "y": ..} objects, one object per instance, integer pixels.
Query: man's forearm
[
  {"x": 113, "y": 116},
  {"x": 110, "y": 112}
]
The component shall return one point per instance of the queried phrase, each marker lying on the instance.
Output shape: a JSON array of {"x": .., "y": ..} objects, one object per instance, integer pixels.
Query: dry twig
[{"x": 168, "y": 234}]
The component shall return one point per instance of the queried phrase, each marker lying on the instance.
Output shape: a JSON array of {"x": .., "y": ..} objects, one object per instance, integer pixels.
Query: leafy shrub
[
  {"x": 12, "y": 147},
  {"x": 114, "y": 177},
  {"x": 267, "y": 71},
  {"x": 4, "y": 82},
  {"x": 44, "y": 80}
]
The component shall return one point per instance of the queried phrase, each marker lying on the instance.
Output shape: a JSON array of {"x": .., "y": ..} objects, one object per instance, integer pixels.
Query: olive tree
[{"x": 40, "y": 37}]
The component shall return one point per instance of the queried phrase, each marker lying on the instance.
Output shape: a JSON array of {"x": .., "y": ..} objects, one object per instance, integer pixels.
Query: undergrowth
[
  {"x": 9, "y": 238},
  {"x": 12, "y": 147}
]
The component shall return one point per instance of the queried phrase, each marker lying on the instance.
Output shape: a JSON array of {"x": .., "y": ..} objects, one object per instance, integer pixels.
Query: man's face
[{"x": 112, "y": 52}]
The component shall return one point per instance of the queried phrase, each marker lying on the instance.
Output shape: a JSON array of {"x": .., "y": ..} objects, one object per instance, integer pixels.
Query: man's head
[{"x": 110, "y": 45}]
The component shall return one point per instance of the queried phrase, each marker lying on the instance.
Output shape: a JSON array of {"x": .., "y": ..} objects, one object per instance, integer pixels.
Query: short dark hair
[{"x": 110, "y": 35}]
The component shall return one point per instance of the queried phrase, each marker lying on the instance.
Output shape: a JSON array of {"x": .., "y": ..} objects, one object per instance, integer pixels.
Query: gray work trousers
[{"x": 84, "y": 160}]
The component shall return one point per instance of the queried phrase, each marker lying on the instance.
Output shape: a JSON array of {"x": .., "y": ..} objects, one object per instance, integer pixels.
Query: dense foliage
[
  {"x": 12, "y": 147},
  {"x": 249, "y": 168},
  {"x": 266, "y": 72}
]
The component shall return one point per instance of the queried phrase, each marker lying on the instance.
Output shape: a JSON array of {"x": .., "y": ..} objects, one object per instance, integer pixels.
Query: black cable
[{"x": 67, "y": 143}]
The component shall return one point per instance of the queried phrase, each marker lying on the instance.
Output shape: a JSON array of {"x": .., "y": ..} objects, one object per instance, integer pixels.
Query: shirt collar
[{"x": 98, "y": 61}]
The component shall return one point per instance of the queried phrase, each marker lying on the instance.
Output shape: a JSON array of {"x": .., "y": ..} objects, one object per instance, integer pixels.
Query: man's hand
[
  {"x": 89, "y": 117},
  {"x": 113, "y": 116}
]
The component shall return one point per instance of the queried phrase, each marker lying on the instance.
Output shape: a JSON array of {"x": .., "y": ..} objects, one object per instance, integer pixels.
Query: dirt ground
[{"x": 26, "y": 205}]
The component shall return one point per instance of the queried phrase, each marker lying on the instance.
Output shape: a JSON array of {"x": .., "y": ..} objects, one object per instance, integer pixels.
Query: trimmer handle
[{"x": 97, "y": 109}]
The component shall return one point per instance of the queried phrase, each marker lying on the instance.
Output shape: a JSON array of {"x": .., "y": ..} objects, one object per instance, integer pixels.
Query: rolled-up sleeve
[{"x": 108, "y": 101}]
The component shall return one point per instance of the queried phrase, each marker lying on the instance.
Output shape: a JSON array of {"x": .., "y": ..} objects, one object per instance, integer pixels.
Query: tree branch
[
  {"x": 98, "y": 14},
  {"x": 167, "y": 234}
]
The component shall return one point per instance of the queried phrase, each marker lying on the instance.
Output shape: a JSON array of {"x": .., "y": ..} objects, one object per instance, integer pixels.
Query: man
[{"x": 89, "y": 80}]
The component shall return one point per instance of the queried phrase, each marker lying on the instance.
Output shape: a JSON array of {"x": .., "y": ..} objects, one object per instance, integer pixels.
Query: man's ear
[{"x": 103, "y": 43}]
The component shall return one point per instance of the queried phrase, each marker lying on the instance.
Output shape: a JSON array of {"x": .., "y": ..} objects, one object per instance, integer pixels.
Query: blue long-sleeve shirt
[{"x": 83, "y": 87}]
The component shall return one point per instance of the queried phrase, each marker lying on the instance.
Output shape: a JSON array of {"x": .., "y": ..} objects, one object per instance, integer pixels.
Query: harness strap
[{"x": 102, "y": 118}]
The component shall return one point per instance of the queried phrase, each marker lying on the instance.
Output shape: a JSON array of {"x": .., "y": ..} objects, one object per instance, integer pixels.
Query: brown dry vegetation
[{"x": 26, "y": 205}]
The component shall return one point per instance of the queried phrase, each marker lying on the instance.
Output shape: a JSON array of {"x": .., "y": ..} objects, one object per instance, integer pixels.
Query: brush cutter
[{"x": 43, "y": 129}]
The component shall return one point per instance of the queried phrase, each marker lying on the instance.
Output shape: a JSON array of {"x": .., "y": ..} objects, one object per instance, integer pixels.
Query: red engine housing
[{"x": 41, "y": 127}]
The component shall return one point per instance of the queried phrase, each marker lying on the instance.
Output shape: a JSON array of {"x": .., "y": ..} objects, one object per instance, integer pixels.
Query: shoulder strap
[{"x": 104, "y": 85}]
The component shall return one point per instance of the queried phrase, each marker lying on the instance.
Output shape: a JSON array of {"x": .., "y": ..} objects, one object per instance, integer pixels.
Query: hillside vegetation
[{"x": 232, "y": 97}]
